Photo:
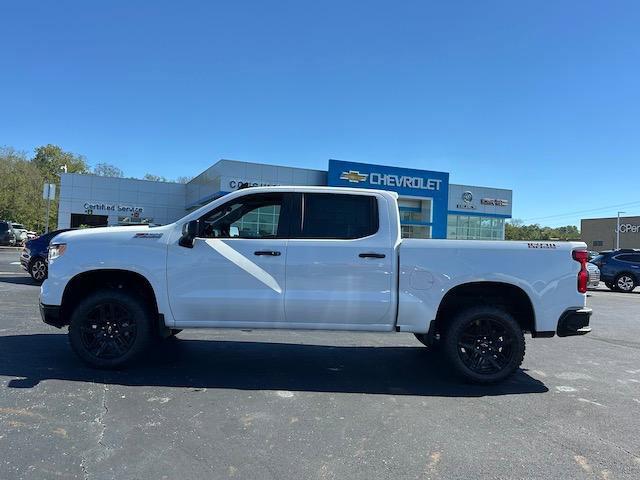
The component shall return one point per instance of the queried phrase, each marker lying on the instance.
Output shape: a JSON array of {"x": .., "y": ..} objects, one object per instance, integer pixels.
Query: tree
[
  {"x": 20, "y": 189},
  {"x": 107, "y": 170},
  {"x": 517, "y": 230},
  {"x": 154, "y": 178},
  {"x": 51, "y": 161},
  {"x": 184, "y": 179}
]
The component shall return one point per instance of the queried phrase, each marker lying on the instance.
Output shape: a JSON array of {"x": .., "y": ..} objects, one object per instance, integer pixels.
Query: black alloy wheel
[
  {"x": 38, "y": 270},
  {"x": 110, "y": 328},
  {"x": 108, "y": 331},
  {"x": 484, "y": 344}
]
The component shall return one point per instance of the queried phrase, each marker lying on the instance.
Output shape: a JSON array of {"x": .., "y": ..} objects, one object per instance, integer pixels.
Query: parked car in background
[
  {"x": 33, "y": 257},
  {"x": 20, "y": 232},
  {"x": 593, "y": 254},
  {"x": 31, "y": 235},
  {"x": 619, "y": 269},
  {"x": 594, "y": 275},
  {"x": 7, "y": 235}
]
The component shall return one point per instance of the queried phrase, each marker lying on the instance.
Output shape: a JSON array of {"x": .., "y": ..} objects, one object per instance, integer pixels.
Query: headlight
[{"x": 56, "y": 250}]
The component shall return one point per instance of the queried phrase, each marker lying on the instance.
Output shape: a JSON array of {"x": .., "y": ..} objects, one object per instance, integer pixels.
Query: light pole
[{"x": 618, "y": 232}]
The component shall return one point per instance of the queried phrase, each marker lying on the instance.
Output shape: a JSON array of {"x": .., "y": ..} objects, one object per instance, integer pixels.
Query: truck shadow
[
  {"x": 31, "y": 359},
  {"x": 19, "y": 280}
]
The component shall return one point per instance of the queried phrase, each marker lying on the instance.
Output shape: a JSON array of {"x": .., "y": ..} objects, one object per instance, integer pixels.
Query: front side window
[
  {"x": 338, "y": 216},
  {"x": 251, "y": 216}
]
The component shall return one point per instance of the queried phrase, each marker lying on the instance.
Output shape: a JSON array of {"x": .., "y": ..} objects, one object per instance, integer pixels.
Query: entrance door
[
  {"x": 235, "y": 273},
  {"x": 340, "y": 264},
  {"x": 80, "y": 219}
]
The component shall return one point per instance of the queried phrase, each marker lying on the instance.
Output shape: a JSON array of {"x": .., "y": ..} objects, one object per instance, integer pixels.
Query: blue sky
[{"x": 539, "y": 97}]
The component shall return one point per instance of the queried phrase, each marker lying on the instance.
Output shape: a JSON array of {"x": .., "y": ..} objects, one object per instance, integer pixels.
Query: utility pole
[
  {"x": 618, "y": 232},
  {"x": 46, "y": 226},
  {"x": 48, "y": 193}
]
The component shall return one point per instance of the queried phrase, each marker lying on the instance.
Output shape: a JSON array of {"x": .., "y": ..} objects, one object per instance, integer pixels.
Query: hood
[{"x": 108, "y": 233}]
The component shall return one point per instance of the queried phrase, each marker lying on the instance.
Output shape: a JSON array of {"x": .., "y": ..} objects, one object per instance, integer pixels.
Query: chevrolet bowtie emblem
[{"x": 354, "y": 176}]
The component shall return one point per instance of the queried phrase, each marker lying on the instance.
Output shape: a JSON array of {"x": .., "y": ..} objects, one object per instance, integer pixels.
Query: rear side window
[
  {"x": 629, "y": 257},
  {"x": 4, "y": 227},
  {"x": 338, "y": 216}
]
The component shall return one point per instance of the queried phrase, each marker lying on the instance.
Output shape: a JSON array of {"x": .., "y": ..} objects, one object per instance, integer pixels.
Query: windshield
[{"x": 597, "y": 260}]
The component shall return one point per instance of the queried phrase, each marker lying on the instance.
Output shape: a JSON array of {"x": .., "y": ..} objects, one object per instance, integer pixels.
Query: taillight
[{"x": 582, "y": 256}]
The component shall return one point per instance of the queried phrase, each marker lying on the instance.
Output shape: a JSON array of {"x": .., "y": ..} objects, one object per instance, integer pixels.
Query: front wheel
[
  {"x": 109, "y": 329},
  {"x": 484, "y": 344},
  {"x": 625, "y": 283}
]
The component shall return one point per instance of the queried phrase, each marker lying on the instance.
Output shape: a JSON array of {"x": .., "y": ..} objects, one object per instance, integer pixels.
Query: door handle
[
  {"x": 269, "y": 253},
  {"x": 372, "y": 255}
]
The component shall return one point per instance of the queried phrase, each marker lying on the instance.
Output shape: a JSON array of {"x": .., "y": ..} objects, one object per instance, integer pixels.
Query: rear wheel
[
  {"x": 38, "y": 270},
  {"x": 625, "y": 283},
  {"x": 109, "y": 329},
  {"x": 484, "y": 344}
]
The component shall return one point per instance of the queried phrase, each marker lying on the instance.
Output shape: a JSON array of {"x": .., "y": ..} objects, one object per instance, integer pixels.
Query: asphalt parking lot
[{"x": 304, "y": 405}]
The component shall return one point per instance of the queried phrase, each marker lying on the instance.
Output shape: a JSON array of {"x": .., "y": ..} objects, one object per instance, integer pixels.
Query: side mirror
[{"x": 190, "y": 231}]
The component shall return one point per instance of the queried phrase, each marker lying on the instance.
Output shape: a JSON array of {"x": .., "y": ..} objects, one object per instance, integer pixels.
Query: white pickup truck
[{"x": 312, "y": 258}]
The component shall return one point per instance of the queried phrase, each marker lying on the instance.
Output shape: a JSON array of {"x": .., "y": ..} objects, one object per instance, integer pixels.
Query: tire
[
  {"x": 625, "y": 282},
  {"x": 38, "y": 270},
  {"x": 175, "y": 331},
  {"x": 495, "y": 344},
  {"x": 110, "y": 329}
]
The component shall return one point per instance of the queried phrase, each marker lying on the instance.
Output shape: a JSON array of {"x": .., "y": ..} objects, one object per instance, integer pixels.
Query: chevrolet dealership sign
[
  {"x": 388, "y": 180},
  {"x": 405, "y": 181}
]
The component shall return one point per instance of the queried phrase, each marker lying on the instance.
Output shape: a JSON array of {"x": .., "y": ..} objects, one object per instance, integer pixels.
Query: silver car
[
  {"x": 594, "y": 275},
  {"x": 21, "y": 233}
]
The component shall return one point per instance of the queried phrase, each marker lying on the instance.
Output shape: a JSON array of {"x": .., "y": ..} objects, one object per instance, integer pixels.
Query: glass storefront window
[
  {"x": 472, "y": 227},
  {"x": 415, "y": 231},
  {"x": 259, "y": 223},
  {"x": 415, "y": 217}
]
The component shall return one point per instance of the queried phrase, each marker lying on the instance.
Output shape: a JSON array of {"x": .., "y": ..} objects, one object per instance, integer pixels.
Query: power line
[
  {"x": 560, "y": 215},
  {"x": 627, "y": 214}
]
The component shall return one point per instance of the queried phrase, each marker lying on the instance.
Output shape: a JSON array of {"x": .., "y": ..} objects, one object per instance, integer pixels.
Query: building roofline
[{"x": 266, "y": 164}]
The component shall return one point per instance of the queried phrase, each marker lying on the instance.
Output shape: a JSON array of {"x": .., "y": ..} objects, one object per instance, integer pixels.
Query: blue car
[
  {"x": 33, "y": 257},
  {"x": 619, "y": 269}
]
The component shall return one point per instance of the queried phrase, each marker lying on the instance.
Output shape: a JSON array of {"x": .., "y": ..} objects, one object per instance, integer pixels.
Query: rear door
[{"x": 340, "y": 263}]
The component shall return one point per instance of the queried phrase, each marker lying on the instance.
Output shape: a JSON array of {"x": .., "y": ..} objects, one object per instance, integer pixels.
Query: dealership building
[
  {"x": 600, "y": 233},
  {"x": 430, "y": 206}
]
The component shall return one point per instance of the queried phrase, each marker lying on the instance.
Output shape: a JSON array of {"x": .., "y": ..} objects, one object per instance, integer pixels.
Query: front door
[
  {"x": 235, "y": 273},
  {"x": 340, "y": 264}
]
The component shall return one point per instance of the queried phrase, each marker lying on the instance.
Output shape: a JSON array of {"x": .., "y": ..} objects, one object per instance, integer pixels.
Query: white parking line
[{"x": 14, "y": 263}]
